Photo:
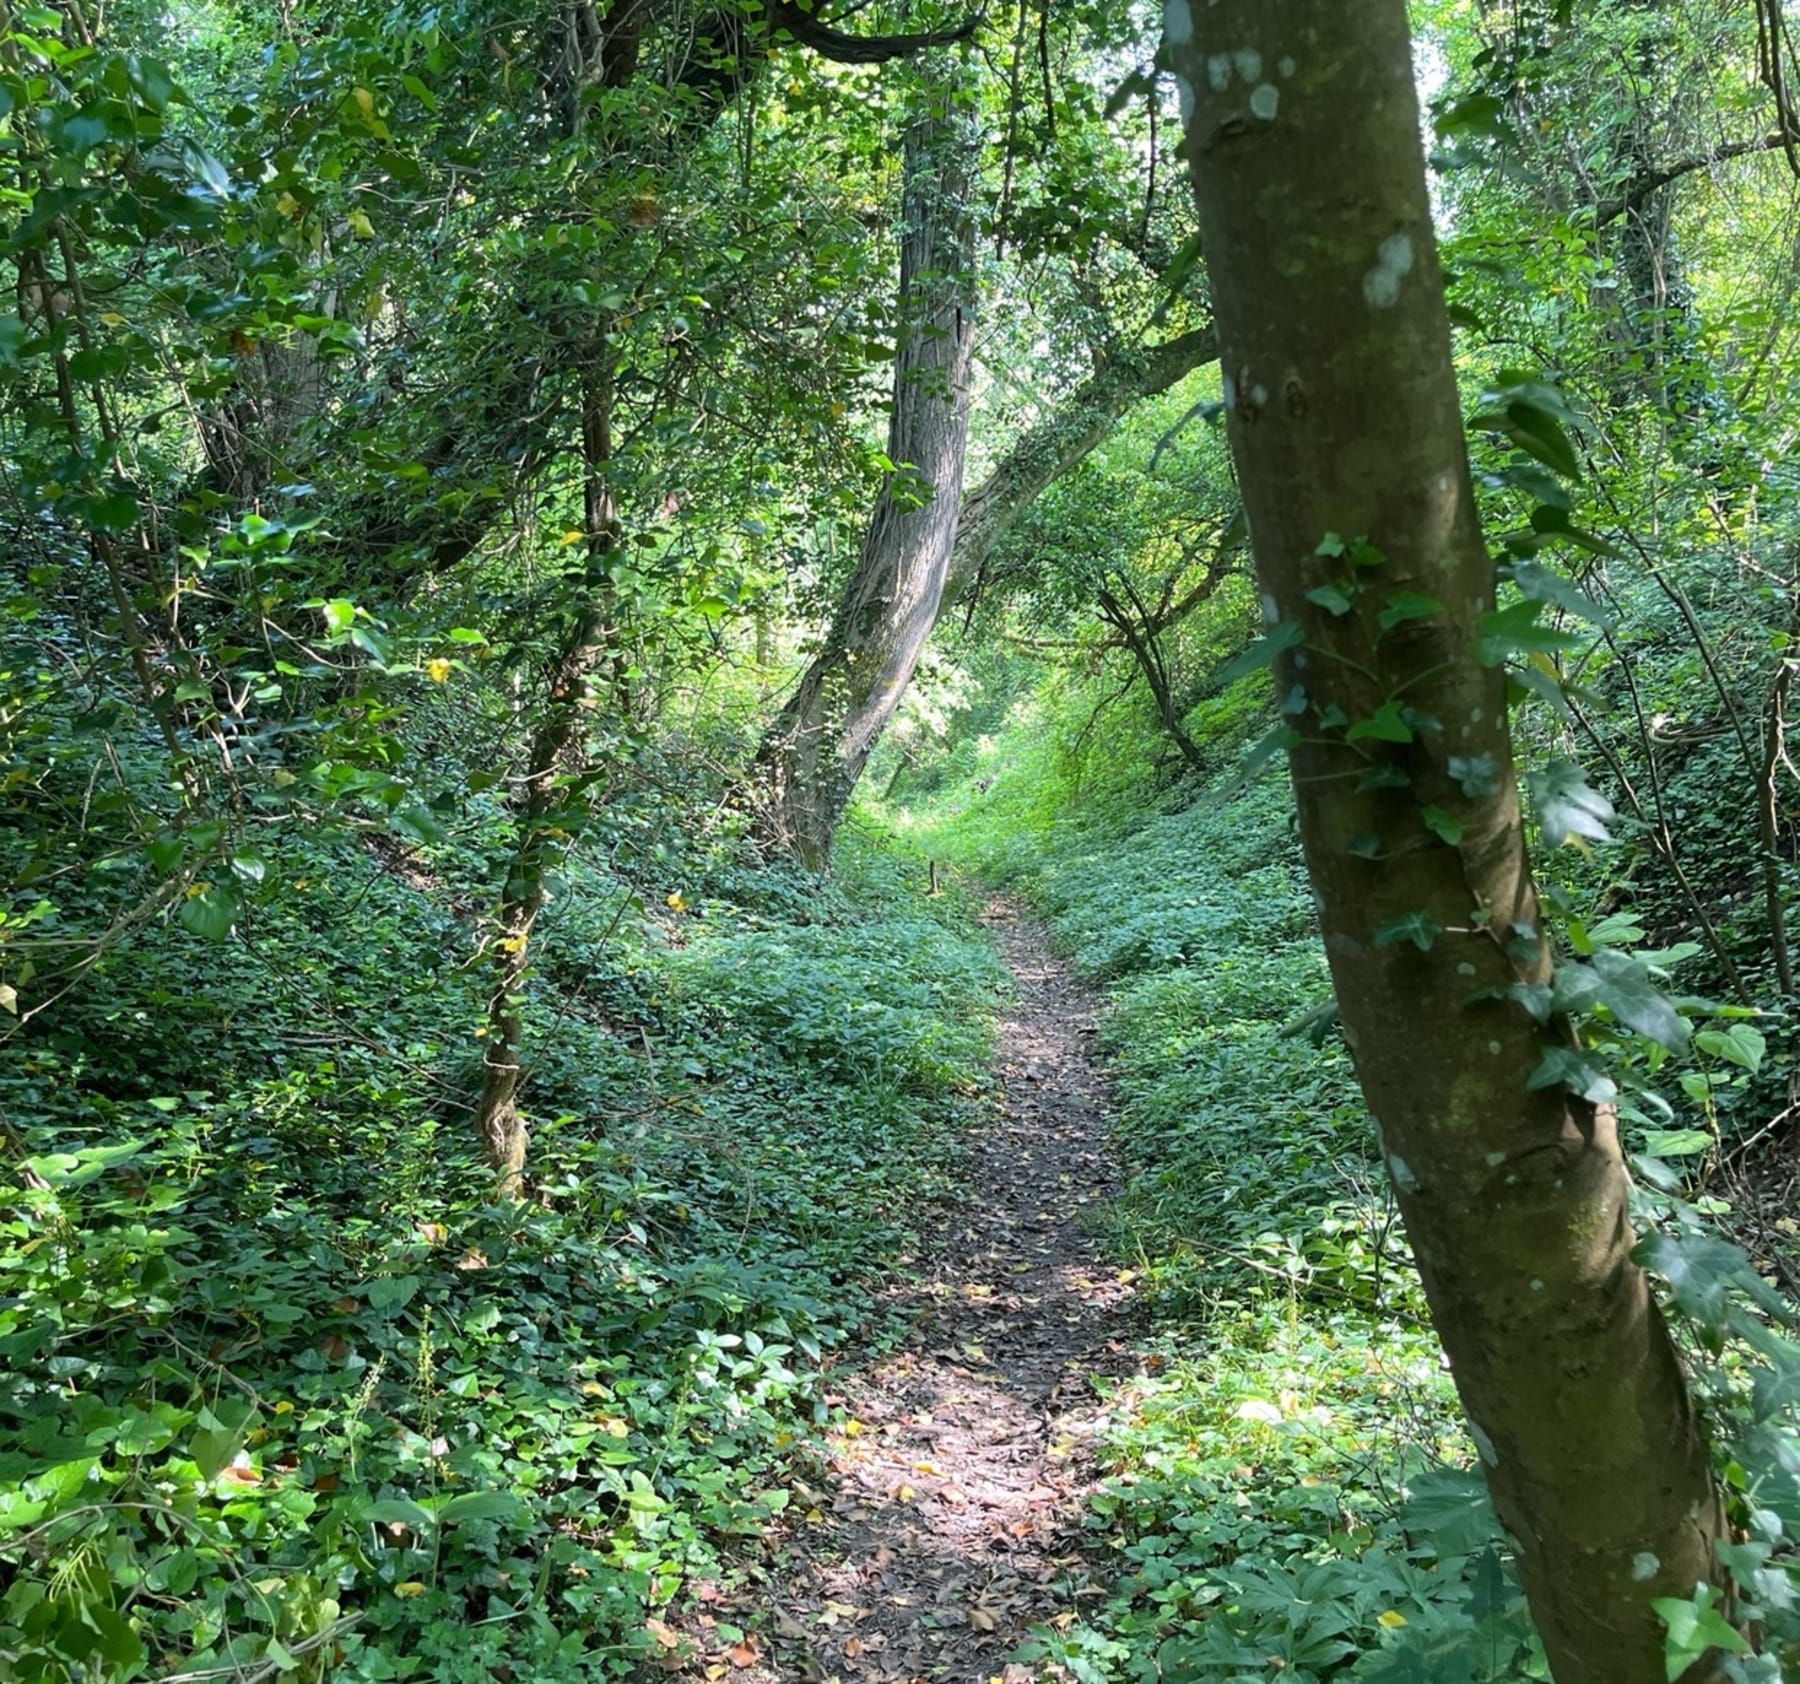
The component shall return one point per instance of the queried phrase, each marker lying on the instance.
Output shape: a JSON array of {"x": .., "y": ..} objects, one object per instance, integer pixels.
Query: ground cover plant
[
  {"x": 285, "y": 1386},
  {"x": 1288, "y": 1480}
]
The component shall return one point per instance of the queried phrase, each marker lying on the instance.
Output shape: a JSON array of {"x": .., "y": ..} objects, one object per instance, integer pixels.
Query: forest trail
[{"x": 945, "y": 1529}]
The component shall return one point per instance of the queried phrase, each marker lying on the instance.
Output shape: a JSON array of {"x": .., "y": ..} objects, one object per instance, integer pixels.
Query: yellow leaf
[
  {"x": 1391, "y": 1618},
  {"x": 287, "y": 204},
  {"x": 360, "y": 225},
  {"x": 112, "y": 318},
  {"x": 412, "y": 1587},
  {"x": 853, "y": 1428},
  {"x": 365, "y": 100},
  {"x": 678, "y": 900},
  {"x": 437, "y": 670},
  {"x": 573, "y": 537},
  {"x": 284, "y": 1408},
  {"x": 433, "y": 1233}
]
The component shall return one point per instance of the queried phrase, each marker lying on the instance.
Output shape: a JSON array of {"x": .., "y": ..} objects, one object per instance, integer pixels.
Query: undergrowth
[
  {"x": 284, "y": 1393},
  {"x": 1288, "y": 1488}
]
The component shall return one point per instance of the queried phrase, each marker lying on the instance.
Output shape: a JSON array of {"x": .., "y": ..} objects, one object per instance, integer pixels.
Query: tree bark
[
  {"x": 543, "y": 832},
  {"x": 816, "y": 751},
  {"x": 1303, "y": 140},
  {"x": 1062, "y": 441}
]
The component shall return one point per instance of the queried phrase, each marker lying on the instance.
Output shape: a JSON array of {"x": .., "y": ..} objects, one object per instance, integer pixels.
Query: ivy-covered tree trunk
[
  {"x": 1303, "y": 141},
  {"x": 547, "y": 813},
  {"x": 816, "y": 751}
]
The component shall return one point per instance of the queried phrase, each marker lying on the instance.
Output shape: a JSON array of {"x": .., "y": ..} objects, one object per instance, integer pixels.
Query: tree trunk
[
  {"x": 543, "y": 830},
  {"x": 818, "y": 747},
  {"x": 1062, "y": 441},
  {"x": 1303, "y": 140}
]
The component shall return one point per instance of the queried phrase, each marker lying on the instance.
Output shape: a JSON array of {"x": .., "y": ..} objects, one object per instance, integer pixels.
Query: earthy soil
[{"x": 944, "y": 1525}]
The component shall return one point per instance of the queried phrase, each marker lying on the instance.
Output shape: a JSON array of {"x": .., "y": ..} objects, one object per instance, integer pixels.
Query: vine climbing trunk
[
  {"x": 1303, "y": 141},
  {"x": 547, "y": 809},
  {"x": 816, "y": 750}
]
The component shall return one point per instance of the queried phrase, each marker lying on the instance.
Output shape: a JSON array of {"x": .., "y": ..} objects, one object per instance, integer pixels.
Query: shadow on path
[{"x": 943, "y": 1534}]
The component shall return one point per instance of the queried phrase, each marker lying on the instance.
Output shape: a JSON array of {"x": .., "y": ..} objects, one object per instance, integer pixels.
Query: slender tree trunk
[
  {"x": 818, "y": 747},
  {"x": 543, "y": 831},
  {"x": 1303, "y": 139}
]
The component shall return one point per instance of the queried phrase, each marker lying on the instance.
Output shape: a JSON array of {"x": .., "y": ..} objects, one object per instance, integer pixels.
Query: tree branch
[{"x": 1652, "y": 181}]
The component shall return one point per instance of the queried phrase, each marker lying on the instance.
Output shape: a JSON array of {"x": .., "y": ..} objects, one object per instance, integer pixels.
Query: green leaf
[
  {"x": 1581, "y": 1076},
  {"x": 391, "y": 1292},
  {"x": 1386, "y": 724},
  {"x": 1478, "y": 775},
  {"x": 1333, "y": 598},
  {"x": 1677, "y": 1143},
  {"x": 116, "y": 512},
  {"x": 1514, "y": 629},
  {"x": 210, "y": 913},
  {"x": 1622, "y": 984},
  {"x": 1695, "y": 1626},
  {"x": 1281, "y": 637},
  {"x": 401, "y": 1511},
  {"x": 1442, "y": 825},
  {"x": 1566, "y": 806},
  {"x": 479, "y": 1505},
  {"x": 1419, "y": 928},
  {"x": 1408, "y": 605},
  {"x": 1451, "y": 1509},
  {"x": 1740, "y": 1045}
]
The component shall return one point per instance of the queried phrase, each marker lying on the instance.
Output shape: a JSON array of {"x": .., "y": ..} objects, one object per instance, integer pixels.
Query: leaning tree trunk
[
  {"x": 1303, "y": 139},
  {"x": 818, "y": 747}
]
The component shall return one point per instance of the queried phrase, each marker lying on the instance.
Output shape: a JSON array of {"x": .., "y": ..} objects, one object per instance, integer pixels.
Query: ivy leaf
[
  {"x": 1566, "y": 806},
  {"x": 1623, "y": 985},
  {"x": 1694, "y": 1627},
  {"x": 1386, "y": 724},
  {"x": 1477, "y": 774},
  {"x": 1334, "y": 599},
  {"x": 1702, "y": 1273},
  {"x": 1408, "y": 605},
  {"x": 1581, "y": 1076},
  {"x": 1442, "y": 825},
  {"x": 1420, "y": 928}
]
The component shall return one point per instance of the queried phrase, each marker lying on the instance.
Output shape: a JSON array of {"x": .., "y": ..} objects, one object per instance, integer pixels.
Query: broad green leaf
[
  {"x": 1740, "y": 1045},
  {"x": 1623, "y": 985},
  {"x": 479, "y": 1505},
  {"x": 1442, "y": 824},
  {"x": 1677, "y": 1143},
  {"x": 210, "y": 912},
  {"x": 1582, "y": 1077},
  {"x": 1450, "y": 1509}
]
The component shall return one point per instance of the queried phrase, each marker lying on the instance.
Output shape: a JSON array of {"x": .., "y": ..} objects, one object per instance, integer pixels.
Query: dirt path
[{"x": 942, "y": 1531}]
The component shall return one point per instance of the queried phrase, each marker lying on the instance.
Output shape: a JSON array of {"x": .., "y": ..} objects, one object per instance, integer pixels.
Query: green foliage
[{"x": 279, "y": 1382}]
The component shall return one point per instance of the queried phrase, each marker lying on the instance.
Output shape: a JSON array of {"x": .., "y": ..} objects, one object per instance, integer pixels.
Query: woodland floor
[{"x": 945, "y": 1523}]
